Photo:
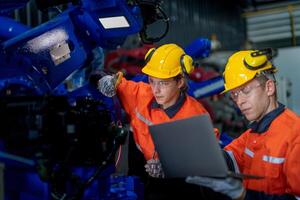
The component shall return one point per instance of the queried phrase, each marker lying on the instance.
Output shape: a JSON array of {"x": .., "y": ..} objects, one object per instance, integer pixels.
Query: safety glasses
[
  {"x": 243, "y": 92},
  {"x": 162, "y": 84}
]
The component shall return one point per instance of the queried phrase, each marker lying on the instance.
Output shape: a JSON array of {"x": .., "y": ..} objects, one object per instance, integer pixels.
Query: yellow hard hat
[
  {"x": 243, "y": 66},
  {"x": 167, "y": 61}
]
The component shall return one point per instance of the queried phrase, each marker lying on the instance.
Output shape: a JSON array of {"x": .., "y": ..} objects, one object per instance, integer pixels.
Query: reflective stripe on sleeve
[
  {"x": 249, "y": 152},
  {"x": 142, "y": 118},
  {"x": 273, "y": 160},
  {"x": 236, "y": 167},
  {"x": 139, "y": 147},
  {"x": 130, "y": 128}
]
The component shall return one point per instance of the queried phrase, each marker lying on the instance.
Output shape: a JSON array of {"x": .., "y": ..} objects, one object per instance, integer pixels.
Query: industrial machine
[{"x": 58, "y": 143}]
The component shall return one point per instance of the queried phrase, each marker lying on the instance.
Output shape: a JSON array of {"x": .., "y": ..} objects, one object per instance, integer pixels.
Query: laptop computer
[{"x": 188, "y": 147}]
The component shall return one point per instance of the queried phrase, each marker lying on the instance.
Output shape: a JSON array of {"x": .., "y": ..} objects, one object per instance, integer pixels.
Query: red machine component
[
  {"x": 130, "y": 61},
  {"x": 201, "y": 74}
]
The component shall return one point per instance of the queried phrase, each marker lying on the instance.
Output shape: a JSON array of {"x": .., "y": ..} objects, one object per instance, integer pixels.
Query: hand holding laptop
[{"x": 229, "y": 186}]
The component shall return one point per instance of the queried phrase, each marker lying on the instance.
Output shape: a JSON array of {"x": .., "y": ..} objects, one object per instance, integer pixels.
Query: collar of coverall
[
  {"x": 172, "y": 110},
  {"x": 264, "y": 124}
]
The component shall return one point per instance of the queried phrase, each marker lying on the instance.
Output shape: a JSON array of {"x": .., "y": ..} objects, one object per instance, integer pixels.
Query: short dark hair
[{"x": 185, "y": 87}]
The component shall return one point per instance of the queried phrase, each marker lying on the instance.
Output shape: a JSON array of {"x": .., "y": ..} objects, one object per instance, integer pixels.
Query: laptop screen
[{"x": 188, "y": 147}]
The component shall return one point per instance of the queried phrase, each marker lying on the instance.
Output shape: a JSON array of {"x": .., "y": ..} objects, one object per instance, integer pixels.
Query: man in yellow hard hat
[
  {"x": 270, "y": 148},
  {"x": 163, "y": 99}
]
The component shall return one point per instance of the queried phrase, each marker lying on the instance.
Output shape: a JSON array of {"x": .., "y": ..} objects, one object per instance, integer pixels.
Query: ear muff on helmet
[
  {"x": 245, "y": 65},
  {"x": 149, "y": 54},
  {"x": 258, "y": 59},
  {"x": 186, "y": 63}
]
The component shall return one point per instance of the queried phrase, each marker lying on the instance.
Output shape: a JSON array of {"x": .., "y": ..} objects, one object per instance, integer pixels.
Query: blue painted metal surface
[
  {"x": 206, "y": 88},
  {"x": 199, "y": 48},
  {"x": 10, "y": 28},
  {"x": 49, "y": 53},
  {"x": 36, "y": 61}
]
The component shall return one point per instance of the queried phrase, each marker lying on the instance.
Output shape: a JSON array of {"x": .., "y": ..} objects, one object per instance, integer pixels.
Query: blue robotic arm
[
  {"x": 34, "y": 62},
  {"x": 46, "y": 55}
]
